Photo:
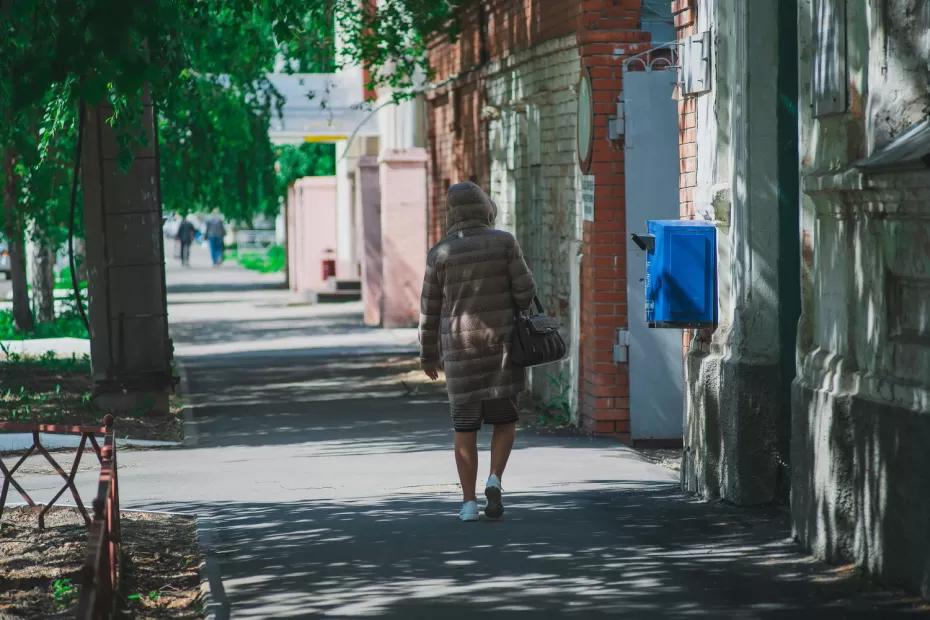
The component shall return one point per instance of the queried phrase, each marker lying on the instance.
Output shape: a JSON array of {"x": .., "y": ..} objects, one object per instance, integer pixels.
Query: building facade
[
  {"x": 808, "y": 146},
  {"x": 861, "y": 400}
]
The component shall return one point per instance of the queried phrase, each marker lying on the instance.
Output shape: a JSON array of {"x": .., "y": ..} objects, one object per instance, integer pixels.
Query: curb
[
  {"x": 212, "y": 592},
  {"x": 189, "y": 424}
]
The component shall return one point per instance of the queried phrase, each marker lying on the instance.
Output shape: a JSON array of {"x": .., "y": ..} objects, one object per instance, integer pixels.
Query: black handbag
[{"x": 536, "y": 338}]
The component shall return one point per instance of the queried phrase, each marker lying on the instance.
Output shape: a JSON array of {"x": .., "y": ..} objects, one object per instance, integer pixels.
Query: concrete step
[
  {"x": 335, "y": 297},
  {"x": 344, "y": 285}
]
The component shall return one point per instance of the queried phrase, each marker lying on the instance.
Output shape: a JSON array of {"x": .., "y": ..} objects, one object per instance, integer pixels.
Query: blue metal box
[{"x": 681, "y": 273}]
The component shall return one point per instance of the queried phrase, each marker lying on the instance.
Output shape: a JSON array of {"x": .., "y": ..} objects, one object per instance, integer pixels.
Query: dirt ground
[
  {"x": 59, "y": 392},
  {"x": 40, "y": 569}
]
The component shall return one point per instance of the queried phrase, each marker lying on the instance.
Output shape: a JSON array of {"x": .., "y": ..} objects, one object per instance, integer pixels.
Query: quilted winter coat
[{"x": 476, "y": 278}]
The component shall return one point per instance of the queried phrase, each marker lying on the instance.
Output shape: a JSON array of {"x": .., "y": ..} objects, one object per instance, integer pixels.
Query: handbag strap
[{"x": 539, "y": 307}]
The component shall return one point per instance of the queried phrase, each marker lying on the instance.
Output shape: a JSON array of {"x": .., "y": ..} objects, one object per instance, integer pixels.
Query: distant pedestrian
[
  {"x": 215, "y": 232},
  {"x": 476, "y": 280},
  {"x": 185, "y": 236}
]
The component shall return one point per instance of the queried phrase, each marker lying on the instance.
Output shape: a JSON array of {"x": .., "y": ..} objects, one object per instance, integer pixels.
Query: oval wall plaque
[{"x": 585, "y": 120}]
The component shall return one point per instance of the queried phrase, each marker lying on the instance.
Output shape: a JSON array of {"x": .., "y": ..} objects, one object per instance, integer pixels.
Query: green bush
[
  {"x": 63, "y": 280},
  {"x": 270, "y": 261},
  {"x": 67, "y": 325}
]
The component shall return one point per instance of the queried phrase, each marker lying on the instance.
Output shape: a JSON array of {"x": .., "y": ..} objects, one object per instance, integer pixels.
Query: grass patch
[
  {"x": 51, "y": 390},
  {"x": 46, "y": 389},
  {"x": 66, "y": 325},
  {"x": 270, "y": 261}
]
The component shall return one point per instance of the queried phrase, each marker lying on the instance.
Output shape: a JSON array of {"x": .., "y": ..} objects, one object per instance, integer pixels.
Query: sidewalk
[{"x": 333, "y": 493}]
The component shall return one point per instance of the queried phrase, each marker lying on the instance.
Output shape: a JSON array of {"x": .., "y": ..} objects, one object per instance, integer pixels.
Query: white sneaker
[
  {"x": 493, "y": 491},
  {"x": 469, "y": 511}
]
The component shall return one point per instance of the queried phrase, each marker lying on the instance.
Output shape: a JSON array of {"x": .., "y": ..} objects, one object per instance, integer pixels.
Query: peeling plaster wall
[
  {"x": 898, "y": 71},
  {"x": 861, "y": 401}
]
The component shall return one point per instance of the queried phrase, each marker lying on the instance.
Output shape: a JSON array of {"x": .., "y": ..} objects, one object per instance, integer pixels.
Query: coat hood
[{"x": 469, "y": 207}]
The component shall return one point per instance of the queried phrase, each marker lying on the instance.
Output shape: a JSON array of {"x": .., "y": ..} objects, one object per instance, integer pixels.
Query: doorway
[{"x": 651, "y": 169}]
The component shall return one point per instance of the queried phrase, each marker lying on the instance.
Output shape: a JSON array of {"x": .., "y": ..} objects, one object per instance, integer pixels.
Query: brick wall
[
  {"x": 607, "y": 34},
  {"x": 493, "y": 29},
  {"x": 490, "y": 30},
  {"x": 685, "y": 15},
  {"x": 457, "y": 143},
  {"x": 531, "y": 141},
  {"x": 531, "y": 138},
  {"x": 684, "y": 12}
]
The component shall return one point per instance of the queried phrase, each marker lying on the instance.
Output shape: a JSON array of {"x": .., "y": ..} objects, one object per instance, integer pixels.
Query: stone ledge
[
  {"x": 822, "y": 370},
  {"x": 854, "y": 180}
]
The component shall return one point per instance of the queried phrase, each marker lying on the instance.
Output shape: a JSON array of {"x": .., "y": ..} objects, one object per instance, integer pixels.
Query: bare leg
[
  {"x": 501, "y": 445},
  {"x": 466, "y": 459}
]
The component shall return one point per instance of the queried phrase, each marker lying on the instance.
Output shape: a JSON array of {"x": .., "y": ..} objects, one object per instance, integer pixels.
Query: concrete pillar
[
  {"x": 313, "y": 223},
  {"x": 368, "y": 218},
  {"x": 346, "y": 261},
  {"x": 737, "y": 403},
  {"x": 130, "y": 347},
  {"x": 403, "y": 234}
]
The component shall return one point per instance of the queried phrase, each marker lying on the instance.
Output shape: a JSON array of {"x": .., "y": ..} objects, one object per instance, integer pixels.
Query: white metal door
[{"x": 651, "y": 170}]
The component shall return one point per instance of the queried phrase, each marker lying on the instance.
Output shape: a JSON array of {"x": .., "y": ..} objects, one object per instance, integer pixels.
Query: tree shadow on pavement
[
  {"x": 253, "y": 329},
  {"x": 632, "y": 548},
  {"x": 380, "y": 410}
]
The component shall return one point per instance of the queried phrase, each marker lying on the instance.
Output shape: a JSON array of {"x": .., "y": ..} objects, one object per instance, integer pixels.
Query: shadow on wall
[
  {"x": 861, "y": 470},
  {"x": 634, "y": 548},
  {"x": 402, "y": 284}
]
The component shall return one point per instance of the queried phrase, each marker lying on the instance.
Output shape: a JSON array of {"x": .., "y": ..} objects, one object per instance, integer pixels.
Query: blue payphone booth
[{"x": 681, "y": 273}]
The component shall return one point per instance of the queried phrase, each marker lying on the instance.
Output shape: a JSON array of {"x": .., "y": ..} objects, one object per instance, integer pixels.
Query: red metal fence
[
  {"x": 100, "y": 574},
  {"x": 88, "y": 434}
]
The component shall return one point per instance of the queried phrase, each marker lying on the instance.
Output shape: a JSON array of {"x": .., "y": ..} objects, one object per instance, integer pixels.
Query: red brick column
[
  {"x": 684, "y": 12},
  {"x": 608, "y": 33}
]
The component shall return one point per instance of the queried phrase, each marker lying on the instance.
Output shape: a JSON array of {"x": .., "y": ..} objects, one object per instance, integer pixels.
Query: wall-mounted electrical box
[
  {"x": 681, "y": 273},
  {"x": 622, "y": 346}
]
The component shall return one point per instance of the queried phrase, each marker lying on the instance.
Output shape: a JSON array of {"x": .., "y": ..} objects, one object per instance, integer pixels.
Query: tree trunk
[
  {"x": 129, "y": 346},
  {"x": 80, "y": 259},
  {"x": 43, "y": 280},
  {"x": 13, "y": 231}
]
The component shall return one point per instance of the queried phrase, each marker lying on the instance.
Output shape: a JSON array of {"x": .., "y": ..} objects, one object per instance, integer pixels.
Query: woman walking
[{"x": 476, "y": 280}]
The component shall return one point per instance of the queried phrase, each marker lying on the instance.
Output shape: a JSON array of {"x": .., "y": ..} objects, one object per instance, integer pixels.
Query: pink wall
[
  {"x": 368, "y": 231},
  {"x": 311, "y": 232},
  {"x": 403, "y": 234}
]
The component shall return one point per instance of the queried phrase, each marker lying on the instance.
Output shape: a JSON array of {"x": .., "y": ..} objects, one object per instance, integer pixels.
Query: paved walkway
[{"x": 333, "y": 491}]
